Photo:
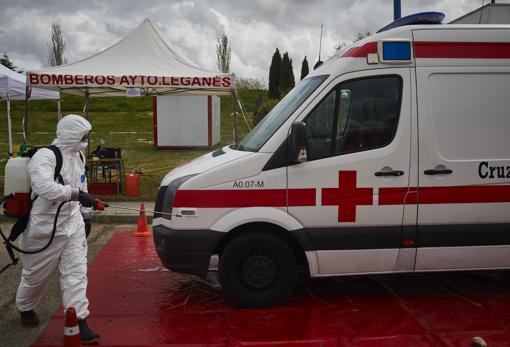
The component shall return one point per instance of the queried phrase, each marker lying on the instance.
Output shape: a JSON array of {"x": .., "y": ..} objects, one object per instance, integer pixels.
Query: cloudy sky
[{"x": 254, "y": 27}]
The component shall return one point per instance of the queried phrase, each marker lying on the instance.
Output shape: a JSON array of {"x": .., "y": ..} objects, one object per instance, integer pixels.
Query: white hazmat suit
[{"x": 68, "y": 250}]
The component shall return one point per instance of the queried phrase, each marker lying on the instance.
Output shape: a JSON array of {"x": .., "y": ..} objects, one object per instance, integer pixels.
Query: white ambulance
[{"x": 393, "y": 156}]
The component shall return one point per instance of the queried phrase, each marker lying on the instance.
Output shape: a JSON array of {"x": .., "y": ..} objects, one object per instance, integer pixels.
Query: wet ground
[
  {"x": 11, "y": 331},
  {"x": 135, "y": 301}
]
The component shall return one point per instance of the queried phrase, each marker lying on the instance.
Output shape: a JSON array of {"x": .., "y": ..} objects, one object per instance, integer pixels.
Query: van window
[
  {"x": 357, "y": 115},
  {"x": 320, "y": 126},
  {"x": 279, "y": 114},
  {"x": 345, "y": 103}
]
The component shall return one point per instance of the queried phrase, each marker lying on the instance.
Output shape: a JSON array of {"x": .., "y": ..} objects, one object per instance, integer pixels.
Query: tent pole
[
  {"x": 25, "y": 117},
  {"x": 9, "y": 125},
  {"x": 86, "y": 105},
  {"x": 234, "y": 118},
  {"x": 86, "y": 114},
  {"x": 59, "y": 108}
]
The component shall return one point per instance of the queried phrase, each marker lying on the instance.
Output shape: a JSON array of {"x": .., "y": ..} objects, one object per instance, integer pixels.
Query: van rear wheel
[{"x": 257, "y": 270}]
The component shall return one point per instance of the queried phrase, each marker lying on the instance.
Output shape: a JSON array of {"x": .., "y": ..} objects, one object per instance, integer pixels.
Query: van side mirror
[{"x": 298, "y": 142}]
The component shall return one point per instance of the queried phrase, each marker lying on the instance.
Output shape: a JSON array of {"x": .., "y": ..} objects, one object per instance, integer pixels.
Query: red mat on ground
[{"x": 136, "y": 302}]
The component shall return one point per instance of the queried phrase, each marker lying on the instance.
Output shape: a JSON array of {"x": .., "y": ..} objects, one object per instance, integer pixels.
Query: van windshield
[{"x": 279, "y": 114}]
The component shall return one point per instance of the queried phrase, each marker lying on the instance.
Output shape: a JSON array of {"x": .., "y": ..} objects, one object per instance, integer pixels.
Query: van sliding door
[{"x": 464, "y": 166}]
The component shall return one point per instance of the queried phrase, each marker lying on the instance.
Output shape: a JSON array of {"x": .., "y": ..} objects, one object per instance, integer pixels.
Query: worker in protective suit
[{"x": 68, "y": 251}]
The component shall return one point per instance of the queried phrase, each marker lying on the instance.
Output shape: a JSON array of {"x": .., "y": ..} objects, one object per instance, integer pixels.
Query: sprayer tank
[{"x": 16, "y": 176}]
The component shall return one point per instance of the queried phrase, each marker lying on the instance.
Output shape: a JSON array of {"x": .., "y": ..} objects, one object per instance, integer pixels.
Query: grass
[{"x": 122, "y": 122}]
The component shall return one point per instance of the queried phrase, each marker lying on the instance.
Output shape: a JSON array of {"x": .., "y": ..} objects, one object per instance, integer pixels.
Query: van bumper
[{"x": 185, "y": 251}]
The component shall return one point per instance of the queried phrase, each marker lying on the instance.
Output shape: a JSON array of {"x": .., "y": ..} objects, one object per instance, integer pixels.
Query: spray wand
[{"x": 139, "y": 210}]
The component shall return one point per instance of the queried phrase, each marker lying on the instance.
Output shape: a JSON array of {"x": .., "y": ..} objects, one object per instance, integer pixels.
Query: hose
[
  {"x": 51, "y": 237},
  {"x": 10, "y": 246}
]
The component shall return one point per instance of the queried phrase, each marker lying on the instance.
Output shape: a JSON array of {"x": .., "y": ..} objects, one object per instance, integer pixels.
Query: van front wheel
[{"x": 257, "y": 270}]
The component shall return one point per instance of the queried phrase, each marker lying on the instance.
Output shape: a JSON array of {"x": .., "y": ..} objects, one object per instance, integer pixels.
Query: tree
[
  {"x": 223, "y": 54},
  {"x": 359, "y": 36},
  {"x": 5, "y": 61},
  {"x": 57, "y": 46},
  {"x": 249, "y": 83},
  {"x": 304, "y": 68},
  {"x": 339, "y": 46},
  {"x": 287, "y": 75},
  {"x": 274, "y": 76}
]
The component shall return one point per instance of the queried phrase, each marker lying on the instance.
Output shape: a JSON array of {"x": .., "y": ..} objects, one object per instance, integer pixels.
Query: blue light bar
[
  {"x": 417, "y": 18},
  {"x": 396, "y": 50}
]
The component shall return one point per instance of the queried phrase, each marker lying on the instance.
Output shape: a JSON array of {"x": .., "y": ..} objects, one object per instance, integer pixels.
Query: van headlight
[{"x": 166, "y": 196}]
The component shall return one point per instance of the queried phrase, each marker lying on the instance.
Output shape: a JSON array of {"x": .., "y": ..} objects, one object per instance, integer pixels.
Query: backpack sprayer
[{"x": 18, "y": 203}]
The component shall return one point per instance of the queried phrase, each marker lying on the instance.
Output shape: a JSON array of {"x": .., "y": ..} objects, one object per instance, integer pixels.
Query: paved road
[{"x": 11, "y": 331}]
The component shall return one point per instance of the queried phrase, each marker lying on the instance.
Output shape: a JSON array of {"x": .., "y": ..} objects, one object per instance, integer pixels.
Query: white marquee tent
[
  {"x": 142, "y": 63},
  {"x": 141, "y": 60},
  {"x": 13, "y": 87}
]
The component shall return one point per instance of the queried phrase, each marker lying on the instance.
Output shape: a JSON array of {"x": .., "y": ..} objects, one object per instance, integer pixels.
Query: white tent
[
  {"x": 13, "y": 87},
  {"x": 142, "y": 63},
  {"x": 141, "y": 60}
]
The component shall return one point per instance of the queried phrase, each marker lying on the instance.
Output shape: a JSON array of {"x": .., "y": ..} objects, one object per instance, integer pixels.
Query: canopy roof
[
  {"x": 140, "y": 60},
  {"x": 12, "y": 84}
]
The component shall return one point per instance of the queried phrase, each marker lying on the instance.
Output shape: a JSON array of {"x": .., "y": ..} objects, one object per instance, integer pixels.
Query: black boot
[
  {"x": 87, "y": 335},
  {"x": 29, "y": 319}
]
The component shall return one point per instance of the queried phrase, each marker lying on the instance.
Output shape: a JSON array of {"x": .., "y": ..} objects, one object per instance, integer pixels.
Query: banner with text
[{"x": 77, "y": 81}]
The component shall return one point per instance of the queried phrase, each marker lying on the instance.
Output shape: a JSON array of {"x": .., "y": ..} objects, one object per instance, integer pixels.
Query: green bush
[{"x": 263, "y": 110}]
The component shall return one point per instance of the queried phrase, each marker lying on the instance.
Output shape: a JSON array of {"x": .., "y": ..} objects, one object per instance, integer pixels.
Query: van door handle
[
  {"x": 389, "y": 173},
  {"x": 438, "y": 172}
]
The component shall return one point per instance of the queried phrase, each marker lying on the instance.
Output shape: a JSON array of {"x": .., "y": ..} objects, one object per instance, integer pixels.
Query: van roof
[{"x": 492, "y": 39}]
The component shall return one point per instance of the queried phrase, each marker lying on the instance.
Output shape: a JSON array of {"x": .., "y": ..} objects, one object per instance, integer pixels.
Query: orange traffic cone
[
  {"x": 71, "y": 329},
  {"x": 142, "y": 228}
]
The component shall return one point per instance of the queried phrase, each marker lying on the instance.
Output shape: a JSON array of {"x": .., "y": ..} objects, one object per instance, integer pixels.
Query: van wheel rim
[{"x": 258, "y": 270}]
